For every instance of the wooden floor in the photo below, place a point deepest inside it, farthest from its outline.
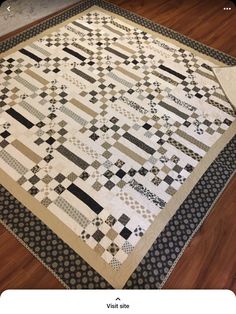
(210, 259)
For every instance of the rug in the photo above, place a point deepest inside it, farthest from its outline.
(116, 140)
(15, 14)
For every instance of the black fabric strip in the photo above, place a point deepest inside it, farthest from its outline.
(164, 68)
(16, 115)
(83, 75)
(139, 143)
(84, 197)
(74, 53)
(30, 55)
(72, 157)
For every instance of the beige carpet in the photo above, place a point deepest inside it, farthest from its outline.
(16, 13)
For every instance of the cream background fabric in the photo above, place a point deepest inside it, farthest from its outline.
(227, 78)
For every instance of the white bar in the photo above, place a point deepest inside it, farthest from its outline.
(105, 301)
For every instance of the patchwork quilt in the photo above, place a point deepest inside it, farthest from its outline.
(104, 129)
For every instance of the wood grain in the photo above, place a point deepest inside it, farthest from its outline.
(205, 21)
(210, 259)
